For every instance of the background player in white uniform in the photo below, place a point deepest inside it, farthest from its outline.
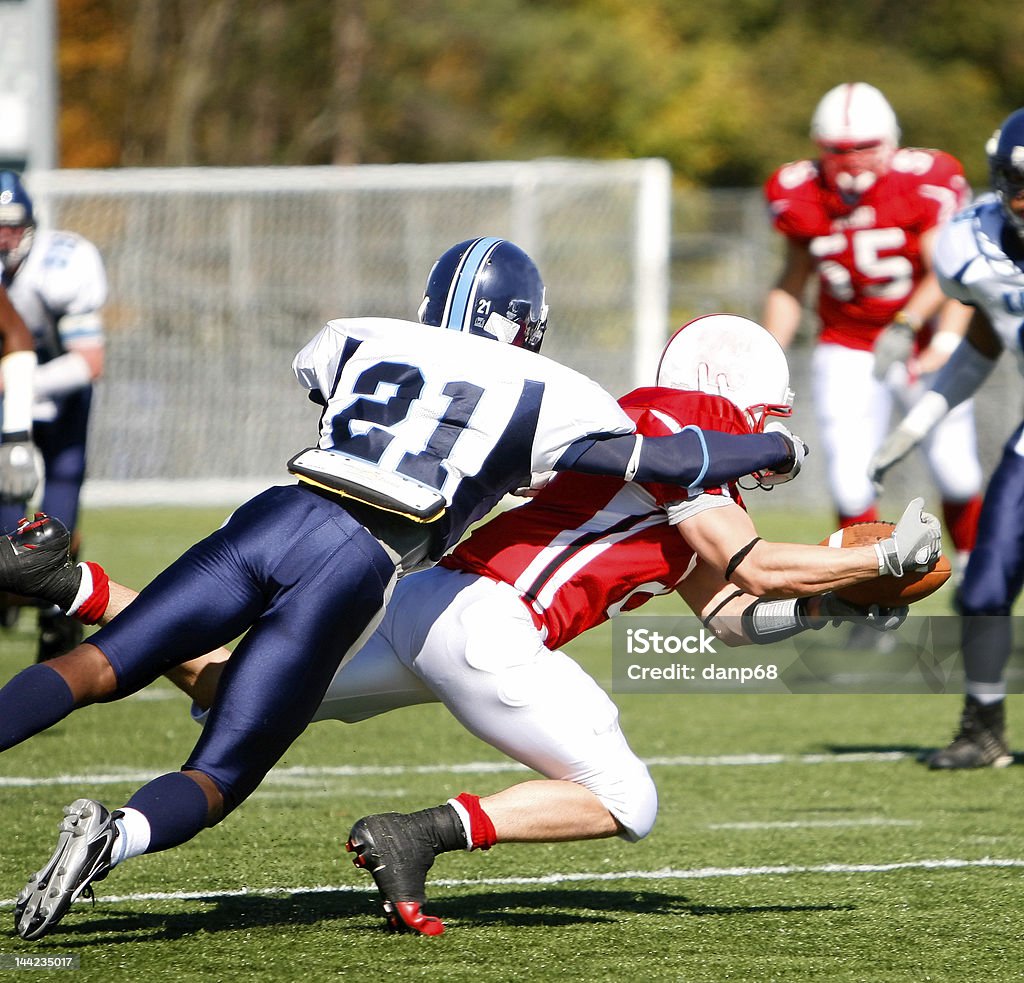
(57, 283)
(861, 219)
(480, 632)
(980, 261)
(422, 430)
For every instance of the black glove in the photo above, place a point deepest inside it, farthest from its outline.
(837, 611)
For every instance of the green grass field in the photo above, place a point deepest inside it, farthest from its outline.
(799, 839)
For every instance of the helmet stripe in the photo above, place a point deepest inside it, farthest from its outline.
(459, 313)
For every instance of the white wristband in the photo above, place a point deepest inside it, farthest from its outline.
(65, 374)
(945, 342)
(17, 370)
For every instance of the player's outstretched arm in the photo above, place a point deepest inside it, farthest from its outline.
(692, 458)
(968, 367)
(740, 617)
(726, 540)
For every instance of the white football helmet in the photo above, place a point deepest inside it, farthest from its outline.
(731, 356)
(857, 133)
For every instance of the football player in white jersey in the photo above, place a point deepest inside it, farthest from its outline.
(980, 261)
(422, 430)
(481, 632)
(57, 284)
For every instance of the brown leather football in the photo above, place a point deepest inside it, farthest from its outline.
(887, 591)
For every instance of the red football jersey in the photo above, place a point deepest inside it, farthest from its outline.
(868, 252)
(588, 547)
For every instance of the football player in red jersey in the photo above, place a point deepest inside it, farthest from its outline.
(481, 633)
(861, 219)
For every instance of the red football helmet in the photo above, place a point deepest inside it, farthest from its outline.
(857, 134)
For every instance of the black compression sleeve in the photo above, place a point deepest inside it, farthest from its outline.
(691, 458)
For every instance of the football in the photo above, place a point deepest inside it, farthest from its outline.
(887, 591)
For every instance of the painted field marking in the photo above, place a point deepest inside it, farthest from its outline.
(300, 774)
(816, 823)
(664, 874)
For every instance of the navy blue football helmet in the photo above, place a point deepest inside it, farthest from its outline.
(487, 287)
(15, 214)
(1005, 151)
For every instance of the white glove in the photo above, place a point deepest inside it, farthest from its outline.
(768, 478)
(894, 448)
(18, 474)
(880, 619)
(915, 543)
(894, 344)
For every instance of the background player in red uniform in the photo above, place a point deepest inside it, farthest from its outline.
(862, 219)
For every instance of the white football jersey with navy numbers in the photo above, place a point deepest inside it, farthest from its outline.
(467, 416)
(974, 266)
(59, 291)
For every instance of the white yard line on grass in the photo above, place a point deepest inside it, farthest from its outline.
(664, 874)
(300, 775)
(816, 823)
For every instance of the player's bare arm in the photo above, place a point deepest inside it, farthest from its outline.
(783, 307)
(770, 569)
(14, 333)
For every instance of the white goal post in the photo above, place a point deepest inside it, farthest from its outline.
(219, 275)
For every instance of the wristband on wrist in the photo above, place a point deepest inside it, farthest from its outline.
(945, 342)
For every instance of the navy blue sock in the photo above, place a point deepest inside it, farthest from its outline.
(33, 700)
(175, 807)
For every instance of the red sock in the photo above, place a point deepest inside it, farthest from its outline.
(870, 514)
(962, 522)
(481, 829)
(91, 609)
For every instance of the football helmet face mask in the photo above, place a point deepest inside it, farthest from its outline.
(487, 287)
(857, 134)
(1005, 151)
(17, 221)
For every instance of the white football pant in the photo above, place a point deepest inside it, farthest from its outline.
(470, 643)
(853, 411)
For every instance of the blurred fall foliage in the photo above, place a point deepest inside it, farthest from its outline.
(722, 88)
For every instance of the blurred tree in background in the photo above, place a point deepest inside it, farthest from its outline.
(722, 88)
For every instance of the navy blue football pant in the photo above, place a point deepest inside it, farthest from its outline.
(61, 442)
(995, 572)
(303, 580)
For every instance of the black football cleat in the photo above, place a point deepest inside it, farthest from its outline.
(35, 561)
(979, 743)
(398, 850)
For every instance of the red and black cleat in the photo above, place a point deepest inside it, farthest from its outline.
(398, 850)
(35, 561)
